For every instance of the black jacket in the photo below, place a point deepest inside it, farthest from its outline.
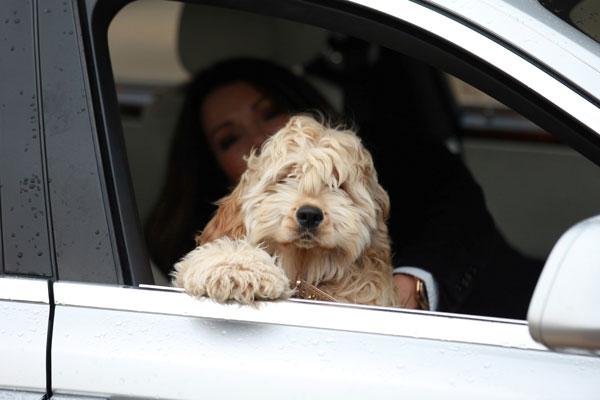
(439, 220)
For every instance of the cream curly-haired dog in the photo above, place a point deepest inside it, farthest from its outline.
(308, 209)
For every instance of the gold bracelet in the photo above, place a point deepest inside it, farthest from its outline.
(422, 299)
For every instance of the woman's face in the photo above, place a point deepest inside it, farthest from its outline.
(236, 118)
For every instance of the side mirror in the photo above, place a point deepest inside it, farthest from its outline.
(565, 309)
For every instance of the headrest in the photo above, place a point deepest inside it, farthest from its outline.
(210, 34)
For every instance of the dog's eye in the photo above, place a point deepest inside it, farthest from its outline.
(285, 180)
(285, 176)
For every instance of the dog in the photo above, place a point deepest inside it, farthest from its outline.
(307, 216)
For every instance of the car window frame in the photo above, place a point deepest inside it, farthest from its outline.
(352, 18)
(368, 319)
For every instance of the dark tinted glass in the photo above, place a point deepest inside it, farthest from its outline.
(582, 14)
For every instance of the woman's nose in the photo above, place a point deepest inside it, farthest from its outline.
(258, 139)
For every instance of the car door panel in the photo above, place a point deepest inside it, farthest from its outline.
(24, 313)
(127, 342)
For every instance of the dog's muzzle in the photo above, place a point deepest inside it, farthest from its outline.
(309, 217)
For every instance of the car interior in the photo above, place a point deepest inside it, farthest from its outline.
(535, 187)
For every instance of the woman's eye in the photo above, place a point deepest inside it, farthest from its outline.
(270, 111)
(226, 142)
(274, 113)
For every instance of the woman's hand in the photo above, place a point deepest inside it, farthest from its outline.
(407, 286)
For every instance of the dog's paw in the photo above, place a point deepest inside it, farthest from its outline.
(231, 270)
(245, 283)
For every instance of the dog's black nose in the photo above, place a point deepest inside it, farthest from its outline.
(309, 217)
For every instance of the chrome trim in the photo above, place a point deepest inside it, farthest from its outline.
(487, 49)
(23, 289)
(161, 288)
(302, 313)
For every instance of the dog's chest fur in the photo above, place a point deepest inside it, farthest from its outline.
(314, 265)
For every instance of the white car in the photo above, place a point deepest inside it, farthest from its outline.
(82, 318)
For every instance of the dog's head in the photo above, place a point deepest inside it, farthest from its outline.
(311, 189)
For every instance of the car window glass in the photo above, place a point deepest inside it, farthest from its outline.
(521, 183)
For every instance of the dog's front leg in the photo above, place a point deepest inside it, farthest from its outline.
(231, 270)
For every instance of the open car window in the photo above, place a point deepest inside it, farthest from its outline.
(412, 116)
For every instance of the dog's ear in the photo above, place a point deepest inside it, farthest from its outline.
(380, 196)
(382, 199)
(227, 221)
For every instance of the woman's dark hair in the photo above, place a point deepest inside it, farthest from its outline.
(194, 180)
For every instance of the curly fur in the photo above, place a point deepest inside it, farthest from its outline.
(253, 247)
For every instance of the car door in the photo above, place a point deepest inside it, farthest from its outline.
(159, 343)
(146, 341)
